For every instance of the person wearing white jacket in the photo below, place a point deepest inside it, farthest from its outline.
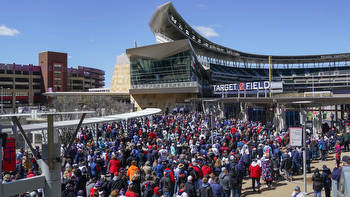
(298, 193)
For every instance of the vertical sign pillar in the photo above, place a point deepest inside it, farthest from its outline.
(50, 163)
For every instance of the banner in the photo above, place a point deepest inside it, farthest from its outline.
(295, 136)
(248, 87)
(9, 157)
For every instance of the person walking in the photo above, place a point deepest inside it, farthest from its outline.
(217, 189)
(190, 188)
(255, 173)
(346, 141)
(225, 182)
(317, 183)
(327, 181)
(236, 179)
(205, 189)
(166, 185)
(286, 167)
(267, 171)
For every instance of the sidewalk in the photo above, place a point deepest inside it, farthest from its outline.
(285, 188)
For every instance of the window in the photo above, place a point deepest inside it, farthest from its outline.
(9, 72)
(57, 66)
(21, 87)
(17, 72)
(21, 80)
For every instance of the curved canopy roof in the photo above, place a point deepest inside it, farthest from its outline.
(167, 21)
(93, 120)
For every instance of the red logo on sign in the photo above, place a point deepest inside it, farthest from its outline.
(241, 86)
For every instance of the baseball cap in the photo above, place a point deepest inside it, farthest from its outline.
(297, 188)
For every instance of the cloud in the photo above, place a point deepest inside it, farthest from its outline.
(206, 31)
(5, 31)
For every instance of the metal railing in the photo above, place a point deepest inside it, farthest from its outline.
(167, 85)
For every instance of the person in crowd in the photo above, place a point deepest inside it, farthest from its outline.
(255, 173)
(190, 187)
(205, 189)
(114, 166)
(338, 152)
(225, 182)
(267, 171)
(327, 181)
(317, 184)
(166, 185)
(132, 169)
(217, 189)
(182, 191)
(346, 138)
(298, 193)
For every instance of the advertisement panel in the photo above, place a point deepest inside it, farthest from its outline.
(9, 157)
(295, 136)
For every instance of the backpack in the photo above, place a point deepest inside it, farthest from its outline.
(288, 163)
(148, 190)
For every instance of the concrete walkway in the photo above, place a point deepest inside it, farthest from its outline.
(284, 188)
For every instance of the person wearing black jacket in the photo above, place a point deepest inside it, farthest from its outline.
(286, 167)
(317, 183)
(308, 159)
(236, 179)
(69, 191)
(190, 188)
(327, 181)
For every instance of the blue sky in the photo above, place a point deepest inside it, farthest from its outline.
(93, 33)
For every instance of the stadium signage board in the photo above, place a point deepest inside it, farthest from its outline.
(247, 86)
(295, 136)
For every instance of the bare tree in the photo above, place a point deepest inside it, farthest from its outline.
(103, 105)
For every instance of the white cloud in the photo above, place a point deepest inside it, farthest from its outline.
(206, 31)
(5, 31)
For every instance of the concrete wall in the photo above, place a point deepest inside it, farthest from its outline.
(121, 75)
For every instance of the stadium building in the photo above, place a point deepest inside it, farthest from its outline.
(184, 67)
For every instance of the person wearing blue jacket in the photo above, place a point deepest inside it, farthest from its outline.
(217, 188)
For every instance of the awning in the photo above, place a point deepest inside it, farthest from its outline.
(94, 120)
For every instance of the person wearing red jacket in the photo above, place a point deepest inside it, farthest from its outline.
(114, 166)
(197, 169)
(255, 173)
(206, 170)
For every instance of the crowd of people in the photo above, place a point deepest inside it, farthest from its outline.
(186, 155)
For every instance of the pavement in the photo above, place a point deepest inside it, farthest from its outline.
(285, 188)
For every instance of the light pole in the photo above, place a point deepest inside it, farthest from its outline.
(2, 100)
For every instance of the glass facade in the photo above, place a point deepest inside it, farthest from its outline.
(172, 69)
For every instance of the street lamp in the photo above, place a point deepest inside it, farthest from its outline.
(2, 100)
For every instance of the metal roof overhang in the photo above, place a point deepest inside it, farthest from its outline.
(54, 94)
(165, 90)
(160, 23)
(160, 51)
(94, 120)
(292, 101)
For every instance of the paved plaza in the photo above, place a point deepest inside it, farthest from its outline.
(284, 188)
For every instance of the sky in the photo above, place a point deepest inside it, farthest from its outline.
(94, 32)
